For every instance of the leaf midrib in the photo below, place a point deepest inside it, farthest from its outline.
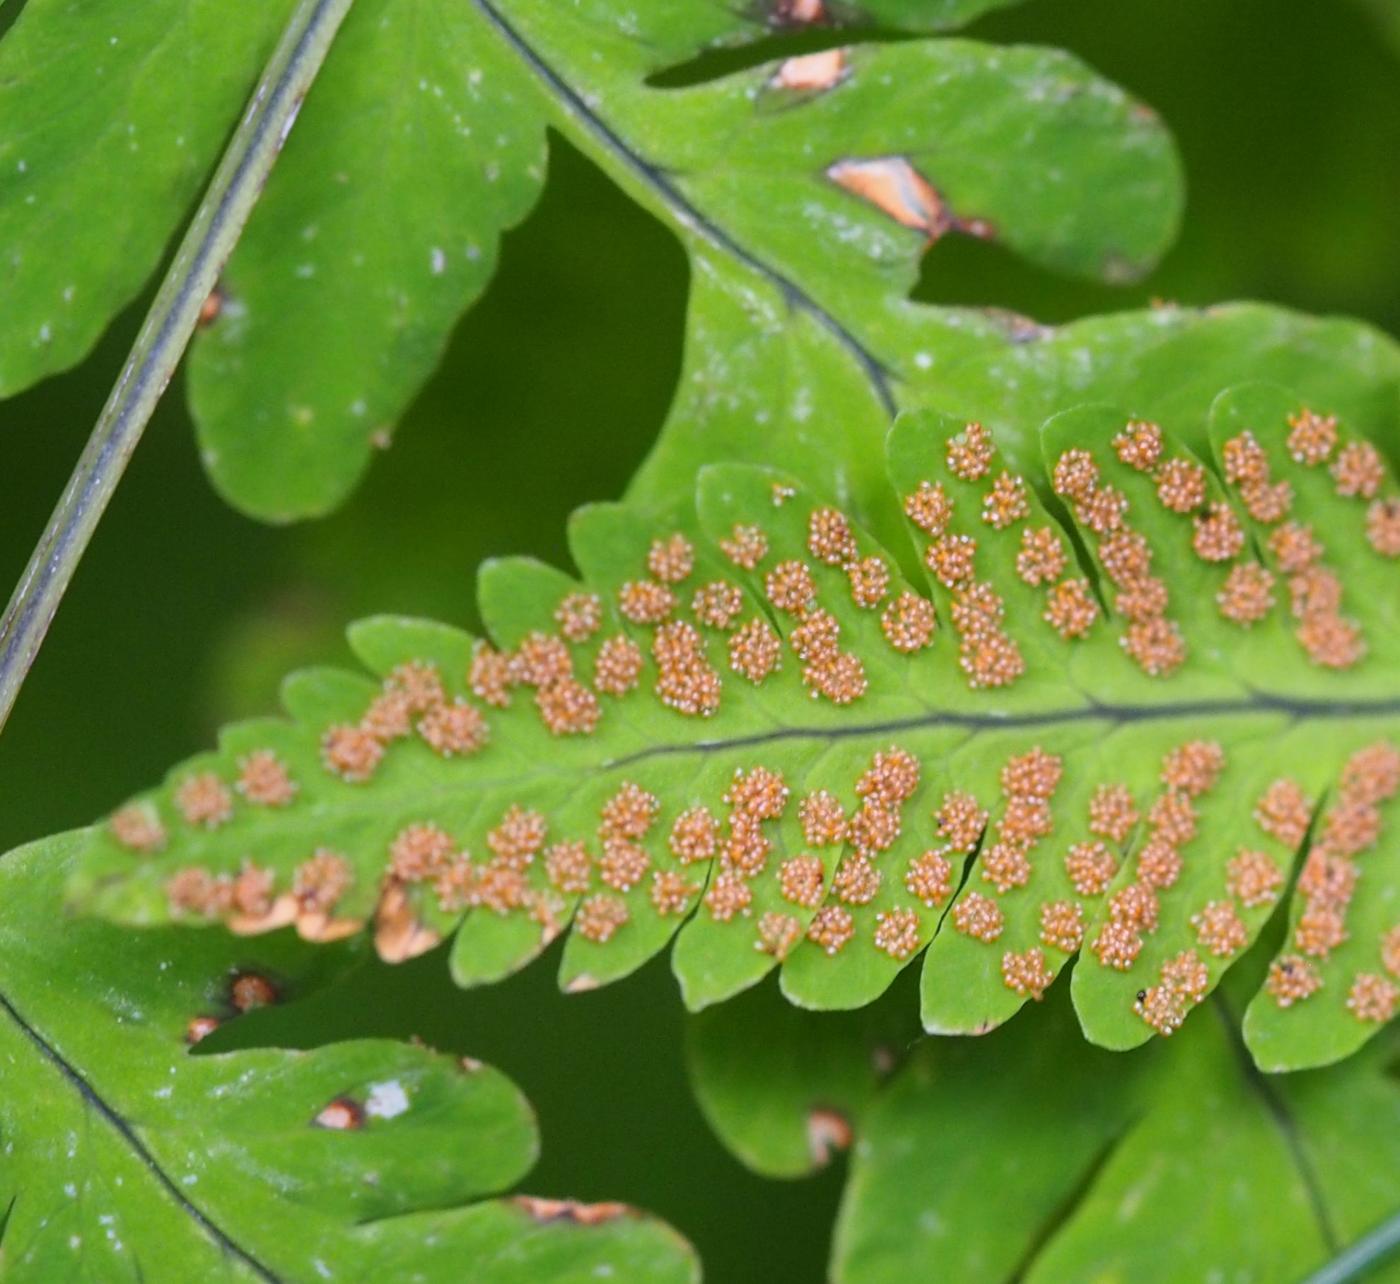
(124, 1129)
(1276, 1107)
(1258, 704)
(1115, 715)
(682, 209)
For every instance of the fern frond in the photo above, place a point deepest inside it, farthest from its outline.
(803, 192)
(1031, 1155)
(1098, 707)
(1111, 1163)
(129, 1155)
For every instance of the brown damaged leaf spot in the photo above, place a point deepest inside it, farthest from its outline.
(581, 984)
(200, 1027)
(894, 186)
(398, 934)
(211, 307)
(799, 13)
(828, 1131)
(812, 73)
(569, 1210)
(248, 990)
(341, 1115)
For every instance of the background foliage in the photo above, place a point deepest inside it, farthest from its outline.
(185, 614)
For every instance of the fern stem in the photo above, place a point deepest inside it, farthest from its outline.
(191, 278)
(1368, 1252)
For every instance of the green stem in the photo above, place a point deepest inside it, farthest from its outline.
(191, 279)
(1369, 1251)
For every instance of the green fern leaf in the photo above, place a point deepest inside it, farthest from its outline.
(1028, 1155)
(1108, 1163)
(126, 1157)
(787, 1091)
(790, 747)
(165, 82)
(804, 190)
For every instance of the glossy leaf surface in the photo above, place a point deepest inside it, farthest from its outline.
(129, 1156)
(1099, 707)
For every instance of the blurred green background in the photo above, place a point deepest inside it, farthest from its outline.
(185, 614)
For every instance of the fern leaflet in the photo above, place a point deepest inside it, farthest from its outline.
(789, 746)
(130, 1155)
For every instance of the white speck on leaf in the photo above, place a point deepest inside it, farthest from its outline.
(386, 1100)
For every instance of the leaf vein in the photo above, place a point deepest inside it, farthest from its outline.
(1118, 714)
(123, 1128)
(686, 212)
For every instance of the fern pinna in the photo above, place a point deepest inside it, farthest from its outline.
(126, 1158)
(1095, 709)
